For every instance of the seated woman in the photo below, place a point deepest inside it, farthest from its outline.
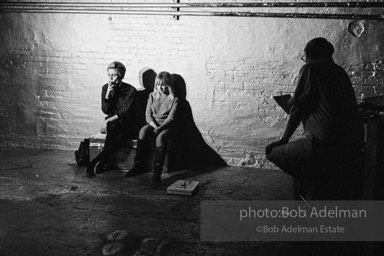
(117, 100)
(162, 126)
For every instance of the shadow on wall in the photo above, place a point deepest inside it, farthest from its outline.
(195, 152)
(147, 78)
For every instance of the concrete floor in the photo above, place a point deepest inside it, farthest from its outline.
(49, 207)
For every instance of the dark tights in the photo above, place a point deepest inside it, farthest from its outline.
(162, 139)
(117, 134)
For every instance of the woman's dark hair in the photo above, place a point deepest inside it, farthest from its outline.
(179, 85)
(119, 67)
(319, 48)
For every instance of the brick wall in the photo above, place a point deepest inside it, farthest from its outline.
(53, 66)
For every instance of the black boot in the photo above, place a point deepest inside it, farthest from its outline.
(173, 157)
(90, 170)
(94, 164)
(100, 167)
(158, 166)
(94, 169)
(138, 162)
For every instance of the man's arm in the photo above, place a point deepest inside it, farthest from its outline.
(108, 104)
(106, 121)
(302, 102)
(295, 117)
(126, 110)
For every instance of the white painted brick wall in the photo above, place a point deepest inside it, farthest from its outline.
(53, 66)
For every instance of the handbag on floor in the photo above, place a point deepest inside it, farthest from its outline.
(82, 154)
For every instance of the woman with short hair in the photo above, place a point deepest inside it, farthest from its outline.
(117, 100)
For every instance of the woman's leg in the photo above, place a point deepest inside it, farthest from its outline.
(161, 146)
(145, 135)
(115, 137)
(165, 136)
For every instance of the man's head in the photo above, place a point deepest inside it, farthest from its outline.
(318, 48)
(116, 71)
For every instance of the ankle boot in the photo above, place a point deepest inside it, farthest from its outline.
(90, 170)
(173, 157)
(100, 167)
(158, 166)
(138, 162)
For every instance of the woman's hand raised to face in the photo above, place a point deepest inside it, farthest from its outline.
(109, 89)
(113, 81)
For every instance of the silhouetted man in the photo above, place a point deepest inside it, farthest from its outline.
(329, 153)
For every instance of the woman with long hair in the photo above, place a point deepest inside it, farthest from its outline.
(162, 126)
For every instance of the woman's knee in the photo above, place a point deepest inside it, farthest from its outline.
(161, 141)
(164, 137)
(146, 132)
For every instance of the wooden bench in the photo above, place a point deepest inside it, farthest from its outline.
(123, 158)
